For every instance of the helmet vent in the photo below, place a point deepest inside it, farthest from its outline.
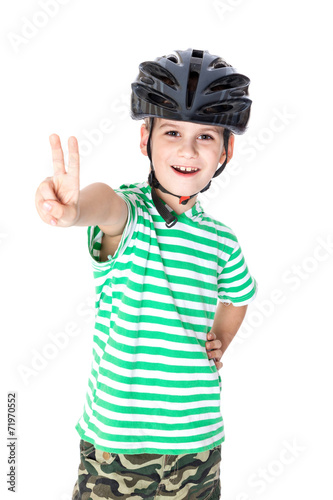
(237, 93)
(235, 82)
(219, 63)
(173, 59)
(193, 77)
(235, 106)
(161, 101)
(219, 108)
(147, 80)
(197, 53)
(191, 87)
(153, 70)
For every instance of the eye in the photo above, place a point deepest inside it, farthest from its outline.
(172, 133)
(205, 137)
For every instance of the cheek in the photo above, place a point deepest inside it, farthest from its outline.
(157, 162)
(160, 155)
(215, 157)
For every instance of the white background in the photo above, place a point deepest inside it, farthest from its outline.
(65, 72)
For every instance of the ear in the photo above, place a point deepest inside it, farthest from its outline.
(230, 149)
(144, 139)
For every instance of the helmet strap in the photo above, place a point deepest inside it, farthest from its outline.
(226, 136)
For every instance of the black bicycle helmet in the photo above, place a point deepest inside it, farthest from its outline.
(194, 86)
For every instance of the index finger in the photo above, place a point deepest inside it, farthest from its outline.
(57, 154)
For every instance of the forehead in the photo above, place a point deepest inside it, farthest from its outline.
(187, 126)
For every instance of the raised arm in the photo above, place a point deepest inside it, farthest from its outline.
(60, 202)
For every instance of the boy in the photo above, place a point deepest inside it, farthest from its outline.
(172, 287)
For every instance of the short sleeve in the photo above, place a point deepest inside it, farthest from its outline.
(95, 235)
(235, 284)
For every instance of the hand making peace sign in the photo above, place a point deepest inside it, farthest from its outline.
(57, 197)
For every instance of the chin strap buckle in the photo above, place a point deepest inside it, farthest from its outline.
(172, 223)
(184, 199)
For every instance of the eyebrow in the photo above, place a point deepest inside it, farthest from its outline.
(207, 127)
(168, 125)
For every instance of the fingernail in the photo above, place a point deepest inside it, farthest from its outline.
(208, 345)
(47, 206)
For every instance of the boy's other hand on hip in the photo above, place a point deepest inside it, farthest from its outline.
(213, 347)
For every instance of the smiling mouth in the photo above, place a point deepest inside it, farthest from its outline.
(185, 170)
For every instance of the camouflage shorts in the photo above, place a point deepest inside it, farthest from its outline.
(109, 476)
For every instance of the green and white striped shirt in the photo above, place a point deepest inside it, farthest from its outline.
(152, 387)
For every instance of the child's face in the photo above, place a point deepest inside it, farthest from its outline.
(185, 144)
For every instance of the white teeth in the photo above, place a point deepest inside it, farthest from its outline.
(185, 169)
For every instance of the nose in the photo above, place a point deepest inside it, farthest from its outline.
(187, 148)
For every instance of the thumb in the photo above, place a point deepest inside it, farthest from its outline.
(52, 207)
(62, 215)
(45, 192)
(46, 189)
